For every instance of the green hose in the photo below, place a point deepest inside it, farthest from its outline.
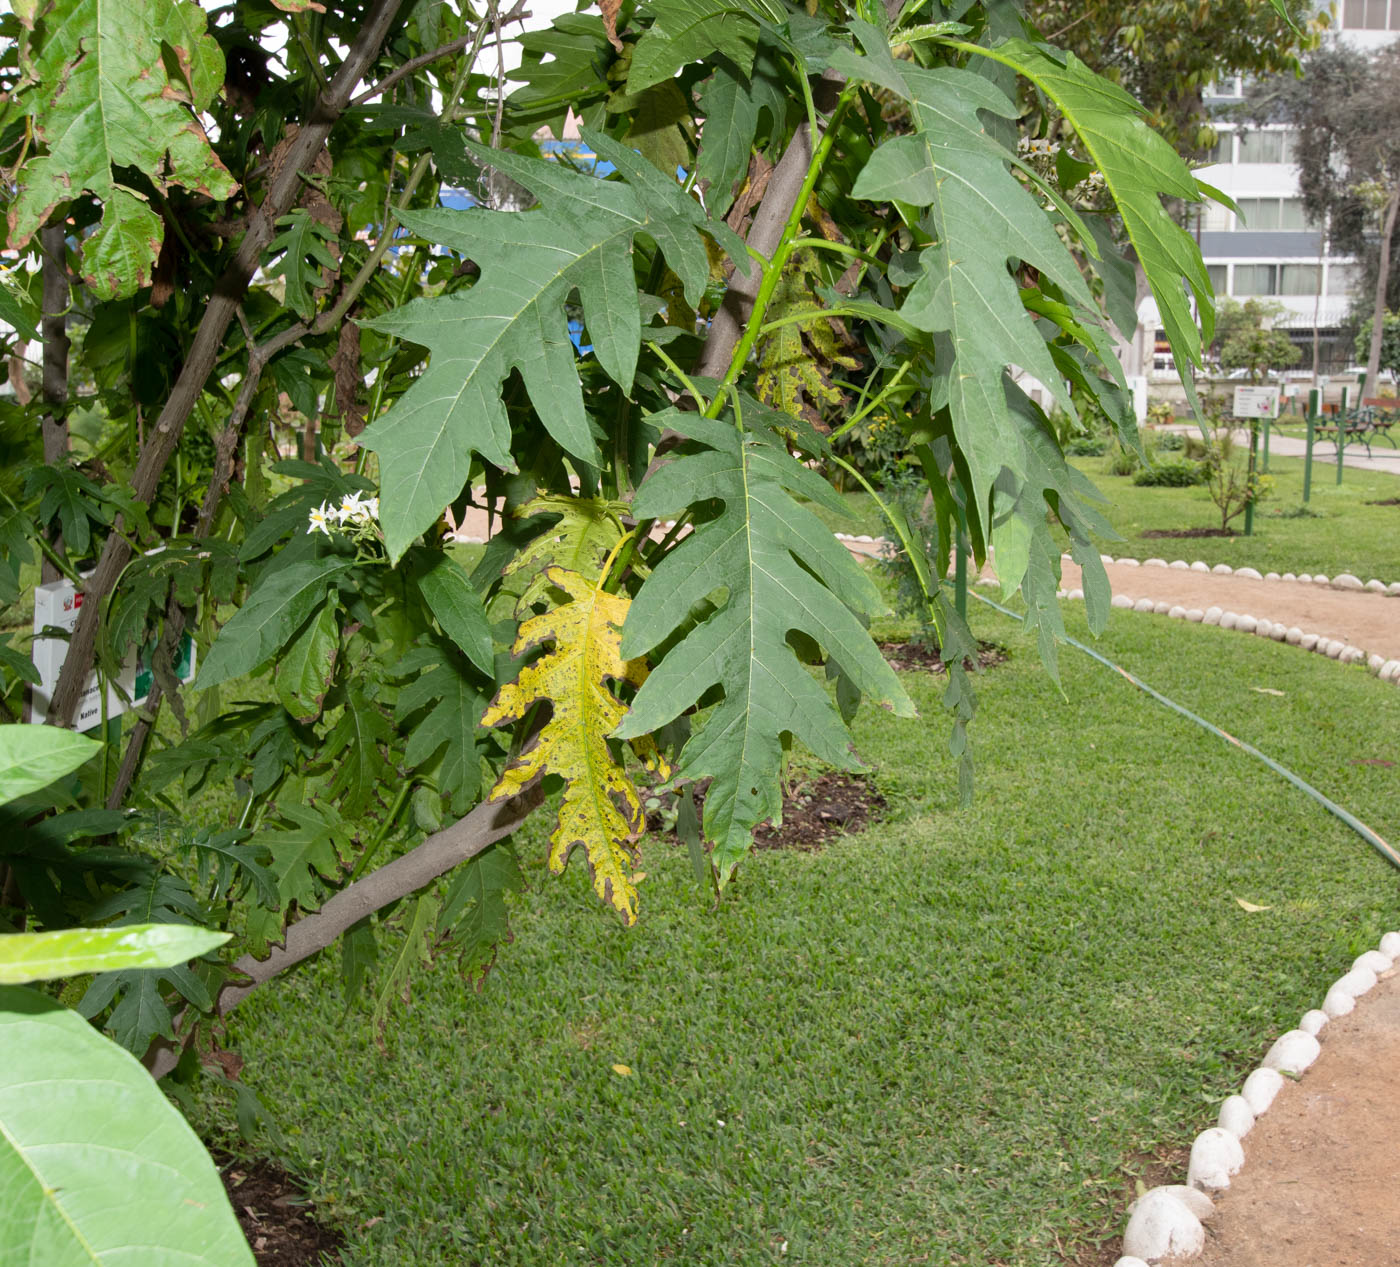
(1385, 850)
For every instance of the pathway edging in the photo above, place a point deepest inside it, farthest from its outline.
(1169, 1220)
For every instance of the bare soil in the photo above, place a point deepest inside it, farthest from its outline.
(1154, 533)
(1321, 1181)
(909, 657)
(275, 1215)
(1365, 620)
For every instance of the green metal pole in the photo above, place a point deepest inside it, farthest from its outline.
(1341, 434)
(1253, 462)
(1314, 407)
(1267, 424)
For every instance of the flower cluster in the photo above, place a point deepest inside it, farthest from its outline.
(354, 511)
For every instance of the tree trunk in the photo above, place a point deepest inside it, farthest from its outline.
(1373, 357)
(53, 243)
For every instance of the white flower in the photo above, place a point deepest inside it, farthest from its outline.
(372, 507)
(320, 520)
(352, 509)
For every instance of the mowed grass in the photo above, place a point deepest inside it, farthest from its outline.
(954, 1039)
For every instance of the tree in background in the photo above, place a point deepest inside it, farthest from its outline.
(1390, 342)
(1346, 109)
(1248, 340)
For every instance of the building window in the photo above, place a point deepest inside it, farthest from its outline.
(1219, 281)
(1371, 15)
(1223, 151)
(1210, 217)
(1256, 279)
(1272, 213)
(1291, 215)
(1268, 147)
(1298, 279)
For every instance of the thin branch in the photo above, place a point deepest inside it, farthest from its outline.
(54, 328)
(482, 827)
(164, 437)
(413, 63)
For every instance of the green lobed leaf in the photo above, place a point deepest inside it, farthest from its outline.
(781, 572)
(282, 599)
(96, 1165)
(457, 606)
(28, 957)
(32, 757)
(305, 260)
(307, 665)
(104, 98)
(17, 307)
(449, 729)
(685, 31)
(514, 318)
(474, 915)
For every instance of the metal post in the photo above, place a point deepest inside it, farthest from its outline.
(1253, 456)
(1268, 423)
(1341, 434)
(1314, 407)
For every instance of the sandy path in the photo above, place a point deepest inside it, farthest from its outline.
(1321, 1181)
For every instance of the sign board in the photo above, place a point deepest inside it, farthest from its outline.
(56, 605)
(1256, 402)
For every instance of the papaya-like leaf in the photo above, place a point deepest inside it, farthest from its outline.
(780, 572)
(96, 1165)
(304, 259)
(600, 809)
(104, 97)
(307, 665)
(685, 31)
(514, 318)
(579, 541)
(454, 601)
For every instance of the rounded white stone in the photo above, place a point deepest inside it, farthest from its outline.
(1308, 641)
(1144, 605)
(1215, 1156)
(1376, 961)
(1222, 569)
(1062, 593)
(1293, 1052)
(1333, 648)
(1305, 577)
(1108, 558)
(1321, 578)
(1179, 612)
(1131, 1260)
(1278, 633)
(1375, 586)
(1079, 593)
(867, 538)
(1195, 615)
(1260, 1088)
(1274, 576)
(1212, 616)
(1236, 1117)
(1293, 636)
(1264, 627)
(1314, 1021)
(1251, 574)
(1129, 563)
(1357, 982)
(1390, 945)
(1180, 564)
(1199, 565)
(1346, 581)
(1351, 655)
(1388, 670)
(1245, 624)
(1338, 1003)
(1288, 576)
(1161, 608)
(1375, 663)
(1198, 1202)
(1227, 620)
(1393, 588)
(1160, 563)
(1120, 600)
(1162, 1225)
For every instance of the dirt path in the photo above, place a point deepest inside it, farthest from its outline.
(1365, 620)
(1321, 1180)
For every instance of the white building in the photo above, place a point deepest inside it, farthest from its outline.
(1269, 251)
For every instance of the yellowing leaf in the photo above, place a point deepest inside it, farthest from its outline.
(600, 809)
(1250, 906)
(622, 1071)
(1266, 690)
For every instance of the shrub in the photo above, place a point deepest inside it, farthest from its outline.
(1171, 473)
(1171, 442)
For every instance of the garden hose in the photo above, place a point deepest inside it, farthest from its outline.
(1385, 850)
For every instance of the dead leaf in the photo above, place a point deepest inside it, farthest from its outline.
(622, 1071)
(1266, 690)
(609, 9)
(1250, 906)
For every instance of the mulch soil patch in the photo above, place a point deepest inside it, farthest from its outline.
(1154, 534)
(1386, 501)
(275, 1215)
(908, 657)
(815, 811)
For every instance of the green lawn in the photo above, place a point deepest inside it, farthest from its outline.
(951, 1040)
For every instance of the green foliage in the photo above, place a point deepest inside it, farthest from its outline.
(1390, 342)
(1171, 473)
(1248, 342)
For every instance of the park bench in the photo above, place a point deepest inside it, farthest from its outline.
(1372, 421)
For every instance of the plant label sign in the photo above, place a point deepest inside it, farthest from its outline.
(56, 606)
(1256, 402)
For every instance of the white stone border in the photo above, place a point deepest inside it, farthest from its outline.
(1342, 581)
(1168, 1220)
